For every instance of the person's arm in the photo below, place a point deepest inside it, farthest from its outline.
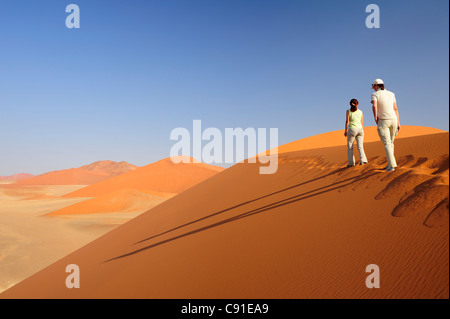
(362, 120)
(398, 116)
(346, 124)
(375, 110)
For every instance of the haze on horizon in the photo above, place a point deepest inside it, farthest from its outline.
(115, 88)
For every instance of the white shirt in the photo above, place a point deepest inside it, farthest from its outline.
(385, 103)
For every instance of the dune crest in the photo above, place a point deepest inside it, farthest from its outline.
(336, 138)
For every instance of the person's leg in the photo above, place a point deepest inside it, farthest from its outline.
(393, 130)
(350, 142)
(385, 137)
(360, 143)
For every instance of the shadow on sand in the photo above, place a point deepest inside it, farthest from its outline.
(280, 203)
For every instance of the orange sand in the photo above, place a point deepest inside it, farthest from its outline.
(308, 231)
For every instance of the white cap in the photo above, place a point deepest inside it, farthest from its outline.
(377, 81)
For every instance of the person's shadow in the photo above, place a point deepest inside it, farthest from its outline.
(264, 208)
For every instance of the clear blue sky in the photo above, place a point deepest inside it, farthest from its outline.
(115, 88)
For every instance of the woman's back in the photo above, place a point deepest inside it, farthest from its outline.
(355, 118)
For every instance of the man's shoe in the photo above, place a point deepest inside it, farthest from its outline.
(390, 169)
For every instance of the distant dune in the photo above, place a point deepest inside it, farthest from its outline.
(162, 176)
(15, 178)
(84, 175)
(123, 201)
(308, 231)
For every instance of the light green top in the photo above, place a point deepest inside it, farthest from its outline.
(354, 118)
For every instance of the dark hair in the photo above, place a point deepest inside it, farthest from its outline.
(354, 105)
(381, 86)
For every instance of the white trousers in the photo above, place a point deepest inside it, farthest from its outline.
(358, 134)
(388, 130)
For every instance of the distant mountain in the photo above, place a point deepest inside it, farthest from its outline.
(85, 175)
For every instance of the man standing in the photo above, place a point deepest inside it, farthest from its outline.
(387, 118)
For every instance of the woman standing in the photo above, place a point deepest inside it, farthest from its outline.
(354, 130)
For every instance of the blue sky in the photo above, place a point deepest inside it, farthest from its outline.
(115, 88)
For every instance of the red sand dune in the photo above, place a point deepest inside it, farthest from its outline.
(308, 231)
(123, 201)
(162, 176)
(84, 175)
(15, 178)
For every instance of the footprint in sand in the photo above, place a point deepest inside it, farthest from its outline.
(440, 164)
(423, 188)
(401, 185)
(439, 216)
(427, 197)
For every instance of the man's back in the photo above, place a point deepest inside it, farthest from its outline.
(385, 104)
